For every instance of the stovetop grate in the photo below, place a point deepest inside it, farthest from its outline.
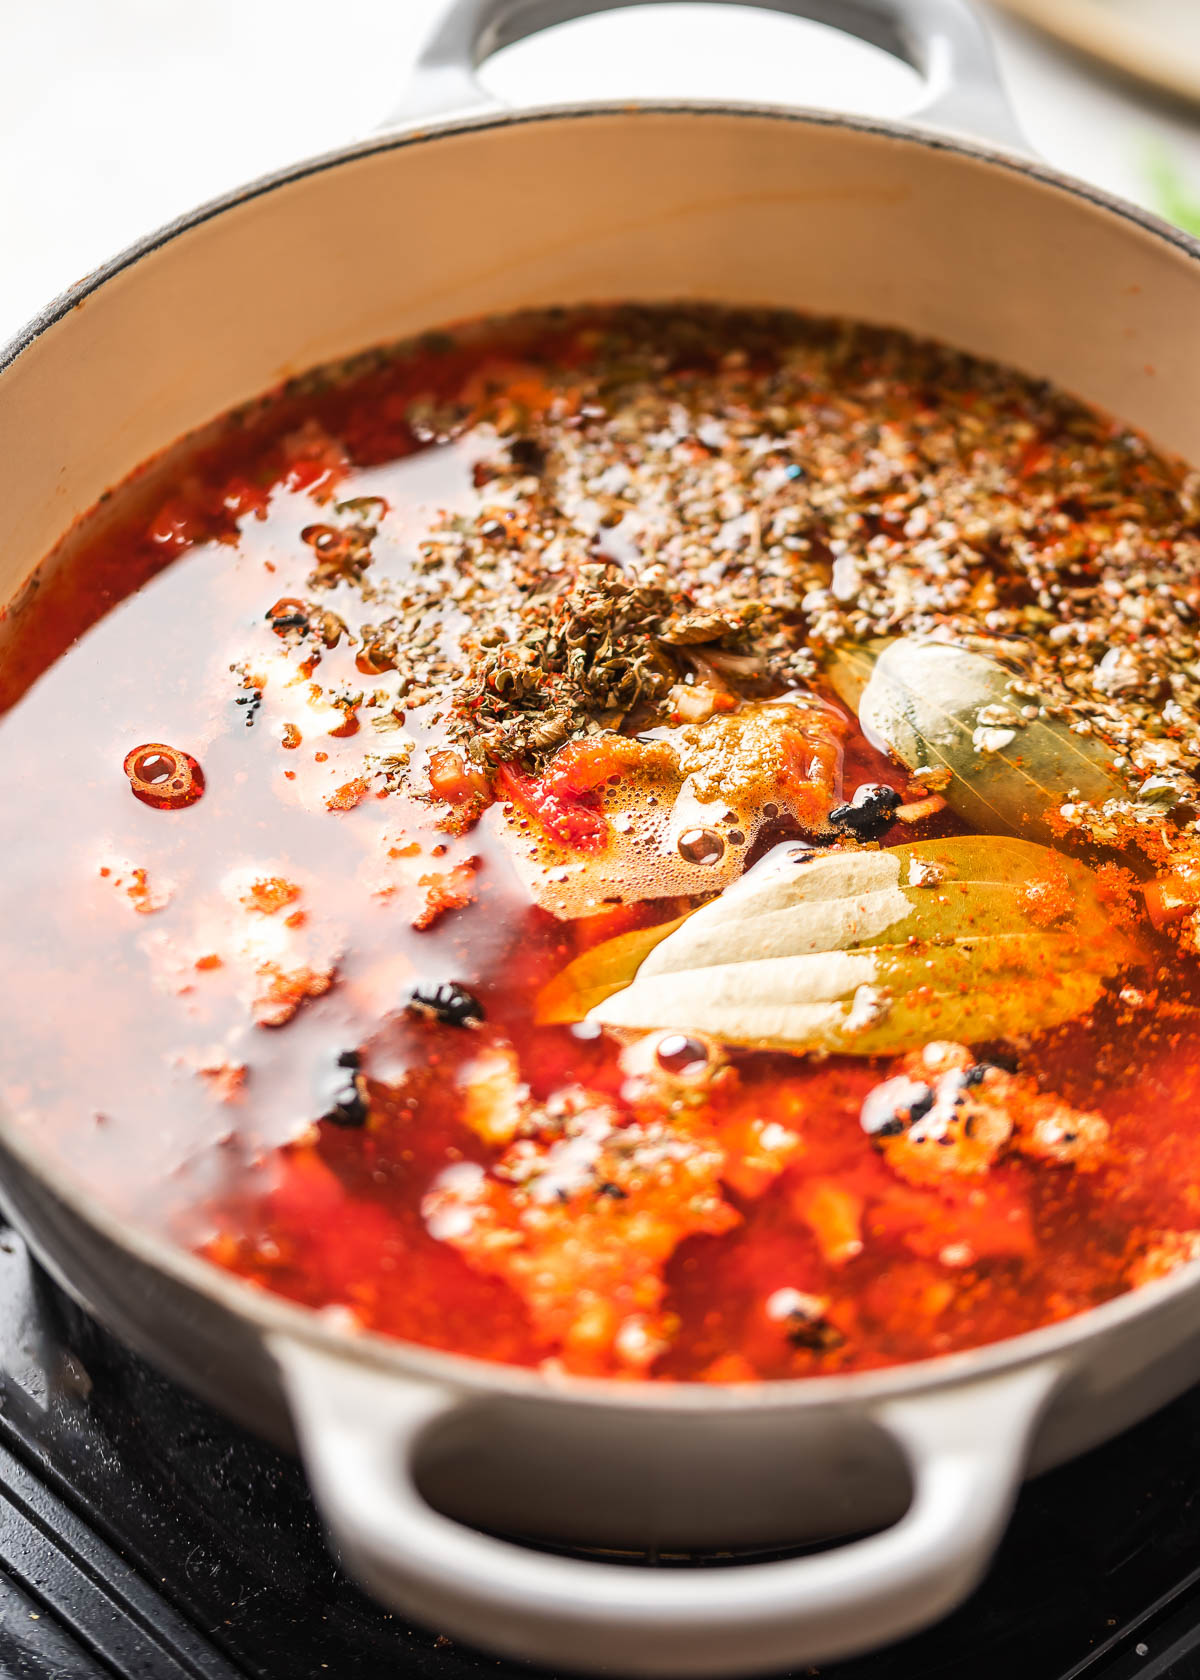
(142, 1537)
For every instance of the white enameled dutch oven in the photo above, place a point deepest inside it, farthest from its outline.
(942, 225)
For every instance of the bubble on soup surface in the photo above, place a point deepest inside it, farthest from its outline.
(163, 777)
(701, 845)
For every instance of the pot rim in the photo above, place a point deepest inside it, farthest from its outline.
(275, 1316)
(425, 132)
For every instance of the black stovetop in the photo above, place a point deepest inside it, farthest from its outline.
(142, 1537)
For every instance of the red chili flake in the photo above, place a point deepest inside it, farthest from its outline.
(270, 894)
(225, 1080)
(347, 796)
(1034, 457)
(348, 726)
(280, 991)
(140, 895)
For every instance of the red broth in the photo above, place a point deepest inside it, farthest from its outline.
(243, 825)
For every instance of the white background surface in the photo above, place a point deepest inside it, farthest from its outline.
(116, 115)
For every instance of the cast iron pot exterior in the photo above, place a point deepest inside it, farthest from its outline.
(406, 1447)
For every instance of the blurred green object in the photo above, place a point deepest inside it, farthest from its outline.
(1173, 195)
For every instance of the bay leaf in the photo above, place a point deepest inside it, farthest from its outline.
(596, 973)
(839, 951)
(920, 700)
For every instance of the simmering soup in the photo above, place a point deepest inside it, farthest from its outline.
(660, 843)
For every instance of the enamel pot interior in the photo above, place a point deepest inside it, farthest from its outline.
(419, 230)
(743, 207)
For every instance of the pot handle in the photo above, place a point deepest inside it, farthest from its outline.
(942, 39)
(360, 1431)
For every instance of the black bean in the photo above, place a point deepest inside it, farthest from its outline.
(527, 453)
(346, 1095)
(891, 1124)
(816, 1334)
(288, 613)
(448, 1002)
(868, 815)
(920, 1108)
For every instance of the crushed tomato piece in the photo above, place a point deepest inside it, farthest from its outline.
(580, 1216)
(446, 890)
(567, 813)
